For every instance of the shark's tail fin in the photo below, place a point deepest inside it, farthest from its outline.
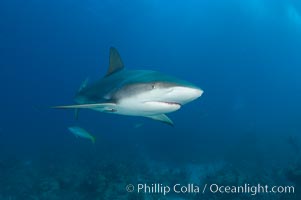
(83, 85)
(93, 139)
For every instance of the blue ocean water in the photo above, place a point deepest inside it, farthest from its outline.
(245, 128)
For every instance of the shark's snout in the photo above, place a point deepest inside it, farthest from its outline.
(197, 92)
(183, 95)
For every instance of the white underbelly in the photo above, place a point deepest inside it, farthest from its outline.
(146, 108)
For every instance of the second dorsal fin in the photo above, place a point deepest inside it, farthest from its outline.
(116, 63)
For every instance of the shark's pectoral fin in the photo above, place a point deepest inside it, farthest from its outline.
(96, 106)
(162, 118)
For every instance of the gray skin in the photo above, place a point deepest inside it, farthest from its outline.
(135, 92)
(126, 84)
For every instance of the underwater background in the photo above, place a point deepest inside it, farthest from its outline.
(245, 55)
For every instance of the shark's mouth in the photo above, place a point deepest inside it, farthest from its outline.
(172, 103)
(168, 103)
(163, 106)
(165, 103)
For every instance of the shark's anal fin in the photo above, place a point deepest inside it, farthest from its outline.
(162, 118)
(116, 63)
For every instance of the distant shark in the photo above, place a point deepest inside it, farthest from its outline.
(135, 92)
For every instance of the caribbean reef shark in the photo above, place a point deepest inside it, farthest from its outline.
(135, 92)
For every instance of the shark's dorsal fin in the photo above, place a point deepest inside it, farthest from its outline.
(116, 63)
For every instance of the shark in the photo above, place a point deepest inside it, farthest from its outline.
(144, 93)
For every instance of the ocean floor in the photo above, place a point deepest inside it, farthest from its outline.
(69, 178)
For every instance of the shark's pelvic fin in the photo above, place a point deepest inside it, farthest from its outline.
(100, 106)
(116, 63)
(162, 118)
(76, 110)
